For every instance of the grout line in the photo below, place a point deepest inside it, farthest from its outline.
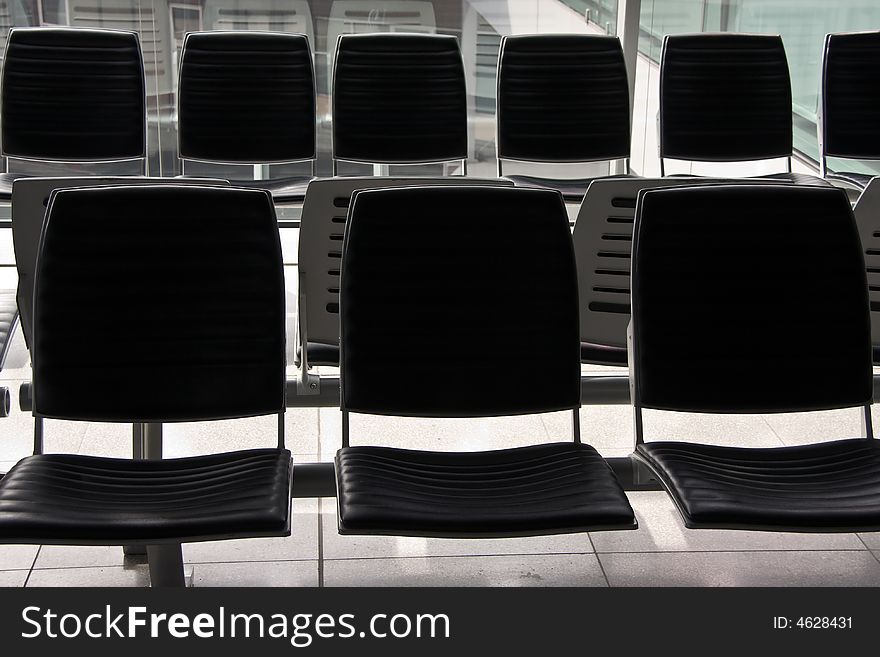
(876, 555)
(770, 426)
(320, 543)
(31, 570)
(599, 561)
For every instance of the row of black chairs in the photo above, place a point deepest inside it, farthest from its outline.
(745, 298)
(249, 98)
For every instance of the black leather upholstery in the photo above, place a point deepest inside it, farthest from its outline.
(851, 95)
(246, 97)
(832, 486)
(163, 298)
(399, 98)
(73, 94)
(749, 299)
(603, 354)
(70, 499)
(562, 98)
(540, 489)
(858, 180)
(447, 296)
(724, 97)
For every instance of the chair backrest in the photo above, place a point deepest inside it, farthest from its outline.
(30, 198)
(748, 300)
(849, 114)
(322, 227)
(724, 98)
(167, 299)
(867, 214)
(73, 95)
(399, 98)
(246, 98)
(369, 16)
(603, 246)
(152, 22)
(562, 98)
(471, 299)
(293, 16)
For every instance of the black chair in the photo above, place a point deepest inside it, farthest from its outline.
(849, 115)
(561, 98)
(754, 300)
(71, 95)
(463, 328)
(166, 300)
(726, 98)
(248, 98)
(399, 99)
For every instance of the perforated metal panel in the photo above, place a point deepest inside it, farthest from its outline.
(603, 248)
(322, 227)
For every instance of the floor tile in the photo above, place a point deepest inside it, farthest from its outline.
(661, 530)
(12, 578)
(17, 557)
(468, 434)
(742, 569)
(871, 539)
(549, 570)
(270, 573)
(133, 576)
(337, 546)
(822, 426)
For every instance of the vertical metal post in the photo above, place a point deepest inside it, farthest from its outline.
(637, 424)
(628, 12)
(867, 422)
(166, 560)
(281, 430)
(38, 434)
(576, 424)
(345, 429)
(137, 453)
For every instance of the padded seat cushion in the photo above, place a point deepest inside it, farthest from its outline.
(790, 177)
(540, 489)
(70, 499)
(859, 180)
(572, 189)
(284, 190)
(832, 486)
(601, 354)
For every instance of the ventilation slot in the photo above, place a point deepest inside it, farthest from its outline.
(612, 290)
(623, 202)
(336, 237)
(611, 272)
(612, 237)
(333, 290)
(613, 254)
(333, 308)
(334, 254)
(620, 220)
(333, 272)
(341, 201)
(875, 306)
(338, 220)
(604, 307)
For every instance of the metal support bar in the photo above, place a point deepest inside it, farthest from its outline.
(867, 422)
(166, 565)
(137, 453)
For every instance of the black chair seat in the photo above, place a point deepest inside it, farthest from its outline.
(70, 499)
(826, 487)
(540, 489)
(790, 177)
(572, 189)
(319, 354)
(601, 354)
(858, 180)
